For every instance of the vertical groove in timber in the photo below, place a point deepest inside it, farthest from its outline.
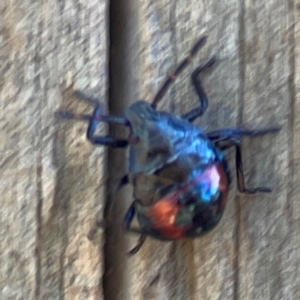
(122, 91)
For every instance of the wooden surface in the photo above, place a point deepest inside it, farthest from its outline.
(50, 175)
(52, 179)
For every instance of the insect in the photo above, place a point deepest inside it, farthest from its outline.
(179, 173)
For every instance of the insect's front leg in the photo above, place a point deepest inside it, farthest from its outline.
(199, 111)
(107, 140)
(94, 120)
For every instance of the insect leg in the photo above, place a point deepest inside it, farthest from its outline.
(129, 217)
(235, 142)
(102, 140)
(123, 181)
(66, 114)
(94, 120)
(126, 225)
(199, 111)
(238, 132)
(138, 246)
(162, 91)
(95, 102)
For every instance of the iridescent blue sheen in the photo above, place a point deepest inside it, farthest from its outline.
(178, 172)
(207, 184)
(163, 138)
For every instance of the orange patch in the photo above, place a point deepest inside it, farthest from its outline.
(164, 211)
(163, 215)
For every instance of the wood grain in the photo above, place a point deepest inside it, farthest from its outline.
(53, 180)
(50, 194)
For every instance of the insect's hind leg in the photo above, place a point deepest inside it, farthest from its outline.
(199, 111)
(126, 225)
(226, 133)
(138, 246)
(229, 142)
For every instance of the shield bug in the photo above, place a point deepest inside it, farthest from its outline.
(179, 173)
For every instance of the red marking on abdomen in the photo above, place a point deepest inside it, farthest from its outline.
(163, 215)
(164, 212)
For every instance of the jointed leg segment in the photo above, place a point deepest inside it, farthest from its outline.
(199, 111)
(94, 120)
(227, 138)
(126, 225)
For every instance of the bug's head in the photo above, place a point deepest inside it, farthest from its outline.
(149, 127)
(140, 113)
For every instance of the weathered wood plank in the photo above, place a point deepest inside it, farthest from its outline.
(268, 258)
(50, 176)
(247, 256)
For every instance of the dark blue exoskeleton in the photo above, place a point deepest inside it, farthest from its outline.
(179, 173)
